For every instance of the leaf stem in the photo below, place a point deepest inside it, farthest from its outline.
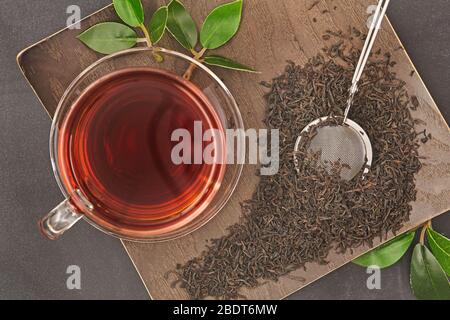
(148, 40)
(197, 56)
(422, 233)
(147, 35)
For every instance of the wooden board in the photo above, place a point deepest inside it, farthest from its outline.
(272, 32)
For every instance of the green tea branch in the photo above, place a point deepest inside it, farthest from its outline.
(429, 268)
(219, 27)
(147, 38)
(423, 232)
(190, 70)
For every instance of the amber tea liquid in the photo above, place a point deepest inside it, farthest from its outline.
(115, 147)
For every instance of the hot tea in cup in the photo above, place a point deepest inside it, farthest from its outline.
(115, 147)
(116, 150)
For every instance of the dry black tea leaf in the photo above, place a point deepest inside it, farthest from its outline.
(302, 213)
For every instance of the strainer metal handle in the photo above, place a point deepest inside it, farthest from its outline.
(365, 53)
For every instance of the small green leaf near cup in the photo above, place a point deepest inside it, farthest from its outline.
(219, 61)
(428, 280)
(181, 25)
(387, 254)
(130, 11)
(221, 25)
(158, 24)
(440, 246)
(109, 37)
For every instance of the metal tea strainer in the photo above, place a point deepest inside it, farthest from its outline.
(347, 143)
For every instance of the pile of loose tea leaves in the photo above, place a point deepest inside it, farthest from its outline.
(297, 216)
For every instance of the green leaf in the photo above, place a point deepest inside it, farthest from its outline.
(387, 254)
(181, 25)
(158, 24)
(440, 246)
(221, 25)
(428, 280)
(109, 37)
(130, 11)
(226, 63)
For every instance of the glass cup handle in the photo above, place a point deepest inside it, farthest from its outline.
(59, 220)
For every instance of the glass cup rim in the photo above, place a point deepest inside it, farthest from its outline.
(53, 143)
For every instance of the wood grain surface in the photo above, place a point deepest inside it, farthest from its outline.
(272, 32)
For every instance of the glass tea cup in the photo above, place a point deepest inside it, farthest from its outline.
(81, 203)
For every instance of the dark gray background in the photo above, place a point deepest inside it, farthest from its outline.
(34, 268)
